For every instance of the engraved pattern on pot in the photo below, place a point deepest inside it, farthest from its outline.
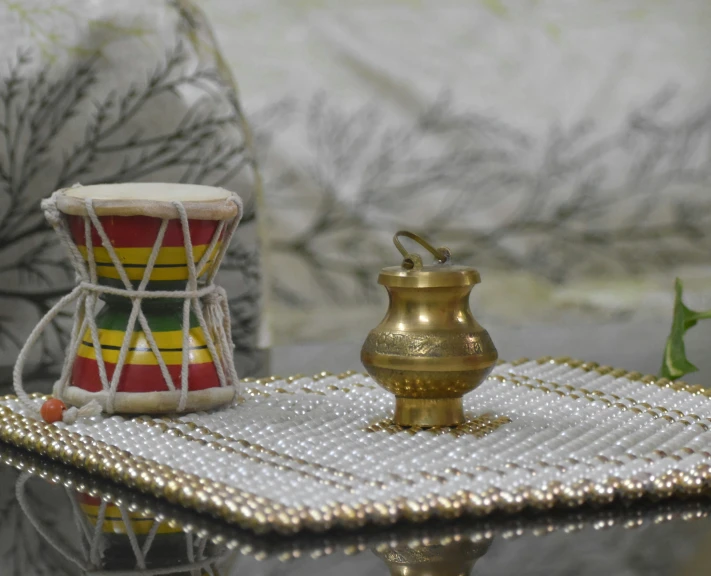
(432, 344)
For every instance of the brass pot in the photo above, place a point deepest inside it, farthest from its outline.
(428, 350)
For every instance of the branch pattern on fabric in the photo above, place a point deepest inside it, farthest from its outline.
(579, 201)
(63, 124)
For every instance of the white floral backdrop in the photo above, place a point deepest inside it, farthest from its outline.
(562, 148)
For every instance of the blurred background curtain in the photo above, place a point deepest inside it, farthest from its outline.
(561, 148)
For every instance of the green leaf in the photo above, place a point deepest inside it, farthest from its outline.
(675, 363)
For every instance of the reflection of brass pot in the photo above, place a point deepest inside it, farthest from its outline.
(456, 559)
(428, 350)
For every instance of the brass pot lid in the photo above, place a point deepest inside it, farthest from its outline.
(413, 274)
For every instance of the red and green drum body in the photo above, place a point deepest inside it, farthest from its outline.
(141, 371)
(142, 386)
(132, 238)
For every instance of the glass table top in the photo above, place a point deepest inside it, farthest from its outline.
(57, 521)
(54, 520)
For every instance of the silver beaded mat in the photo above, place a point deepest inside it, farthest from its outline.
(320, 452)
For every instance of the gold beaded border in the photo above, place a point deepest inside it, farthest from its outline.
(263, 515)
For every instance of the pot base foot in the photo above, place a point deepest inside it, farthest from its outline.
(428, 412)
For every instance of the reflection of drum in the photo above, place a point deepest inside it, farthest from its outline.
(116, 538)
(112, 519)
(150, 252)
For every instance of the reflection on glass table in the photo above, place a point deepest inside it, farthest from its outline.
(58, 521)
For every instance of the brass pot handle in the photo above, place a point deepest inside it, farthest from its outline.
(413, 260)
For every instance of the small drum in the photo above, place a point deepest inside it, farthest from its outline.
(161, 341)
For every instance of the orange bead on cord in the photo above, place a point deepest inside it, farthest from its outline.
(53, 410)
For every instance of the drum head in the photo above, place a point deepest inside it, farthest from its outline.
(150, 199)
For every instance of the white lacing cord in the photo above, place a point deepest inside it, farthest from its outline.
(213, 315)
(71, 414)
(137, 552)
(150, 537)
(192, 285)
(82, 526)
(94, 550)
(92, 298)
(136, 312)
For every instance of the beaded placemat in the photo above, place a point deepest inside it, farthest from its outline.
(319, 452)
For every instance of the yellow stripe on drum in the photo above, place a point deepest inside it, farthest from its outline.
(170, 344)
(171, 263)
(164, 339)
(146, 357)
